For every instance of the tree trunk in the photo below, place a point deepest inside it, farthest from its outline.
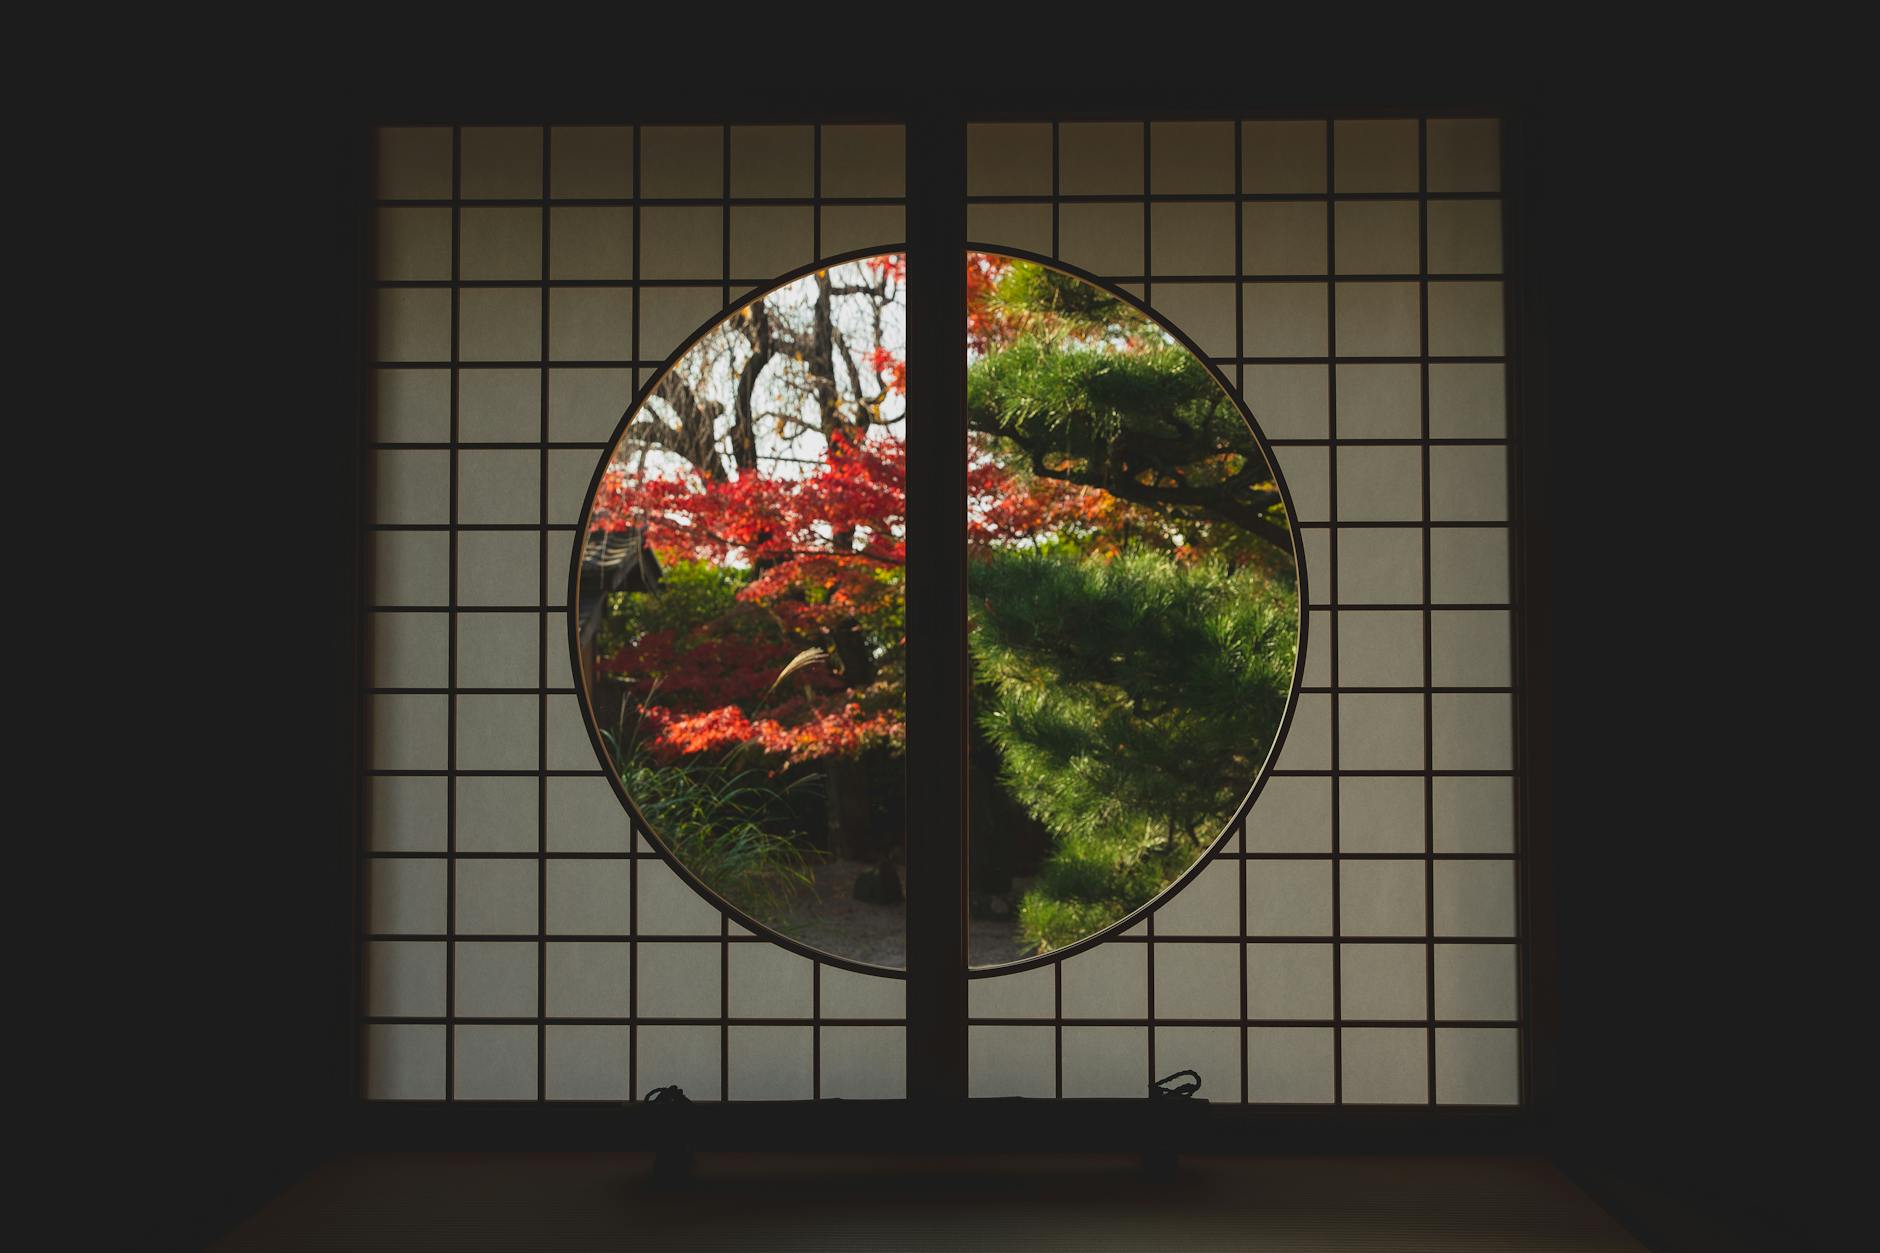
(850, 833)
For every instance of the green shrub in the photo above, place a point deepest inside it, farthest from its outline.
(730, 826)
(691, 593)
(1132, 700)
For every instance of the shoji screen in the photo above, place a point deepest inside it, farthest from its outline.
(521, 943)
(1356, 941)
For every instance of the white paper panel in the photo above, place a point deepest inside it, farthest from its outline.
(1290, 1065)
(496, 979)
(587, 1063)
(1312, 400)
(1386, 1065)
(495, 1063)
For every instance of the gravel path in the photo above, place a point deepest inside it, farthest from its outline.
(836, 922)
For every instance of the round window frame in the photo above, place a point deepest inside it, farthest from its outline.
(641, 830)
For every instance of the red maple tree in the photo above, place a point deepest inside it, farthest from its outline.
(826, 554)
(809, 662)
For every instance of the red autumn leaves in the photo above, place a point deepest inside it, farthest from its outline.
(828, 552)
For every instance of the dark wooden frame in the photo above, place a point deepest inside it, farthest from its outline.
(940, 1115)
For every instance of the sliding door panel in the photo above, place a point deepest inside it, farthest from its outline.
(1353, 938)
(537, 292)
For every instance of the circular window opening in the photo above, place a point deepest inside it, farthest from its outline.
(1133, 609)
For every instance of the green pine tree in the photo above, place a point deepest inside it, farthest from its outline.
(1132, 700)
(1087, 390)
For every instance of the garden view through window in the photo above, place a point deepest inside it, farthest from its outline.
(1132, 593)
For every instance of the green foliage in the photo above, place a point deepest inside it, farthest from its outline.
(1077, 400)
(690, 593)
(1132, 700)
(1032, 293)
(727, 825)
(1087, 391)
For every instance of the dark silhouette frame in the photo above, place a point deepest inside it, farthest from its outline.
(936, 213)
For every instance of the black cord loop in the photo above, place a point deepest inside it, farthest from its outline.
(1160, 1089)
